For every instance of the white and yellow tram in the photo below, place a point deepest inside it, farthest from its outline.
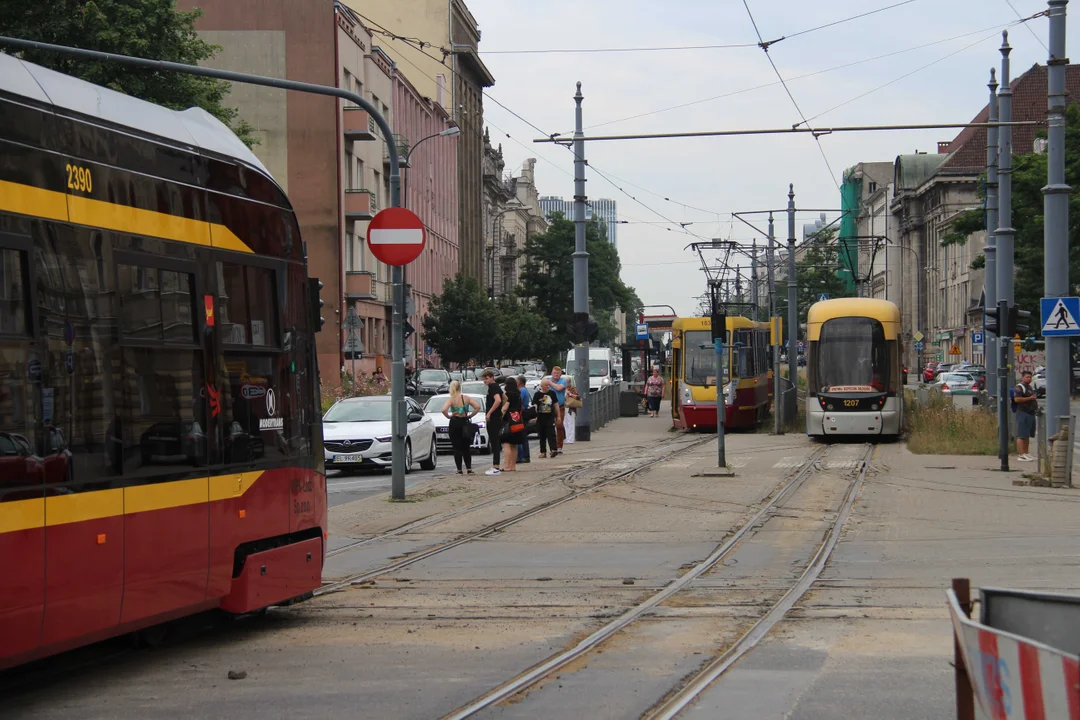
(854, 368)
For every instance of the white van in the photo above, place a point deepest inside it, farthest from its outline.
(602, 369)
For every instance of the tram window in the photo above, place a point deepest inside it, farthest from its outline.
(257, 409)
(851, 354)
(699, 358)
(248, 305)
(14, 298)
(155, 304)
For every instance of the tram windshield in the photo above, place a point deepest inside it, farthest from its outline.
(852, 355)
(700, 359)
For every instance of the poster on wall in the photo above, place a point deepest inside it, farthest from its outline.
(47, 405)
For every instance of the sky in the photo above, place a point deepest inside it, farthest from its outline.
(704, 180)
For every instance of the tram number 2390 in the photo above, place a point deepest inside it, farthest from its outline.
(851, 403)
(79, 178)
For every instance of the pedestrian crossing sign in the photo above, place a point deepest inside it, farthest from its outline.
(1059, 316)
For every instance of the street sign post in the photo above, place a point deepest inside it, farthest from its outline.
(919, 346)
(918, 336)
(396, 236)
(976, 338)
(1060, 316)
(822, 297)
(954, 350)
(642, 331)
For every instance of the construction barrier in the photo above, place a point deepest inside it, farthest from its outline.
(1021, 659)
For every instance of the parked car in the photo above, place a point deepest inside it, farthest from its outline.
(950, 383)
(929, 371)
(943, 368)
(356, 434)
(433, 409)
(432, 382)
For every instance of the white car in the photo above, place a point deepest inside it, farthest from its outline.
(951, 382)
(442, 424)
(1038, 381)
(356, 434)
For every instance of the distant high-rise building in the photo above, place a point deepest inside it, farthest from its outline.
(603, 208)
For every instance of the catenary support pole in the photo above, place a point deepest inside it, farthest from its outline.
(721, 403)
(1005, 237)
(754, 282)
(397, 368)
(989, 339)
(793, 311)
(770, 259)
(1056, 227)
(581, 276)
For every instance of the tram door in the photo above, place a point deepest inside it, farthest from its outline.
(676, 377)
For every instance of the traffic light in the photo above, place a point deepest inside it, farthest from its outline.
(315, 287)
(584, 329)
(1019, 321)
(719, 324)
(992, 321)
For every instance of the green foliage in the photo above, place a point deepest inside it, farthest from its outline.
(547, 281)
(1029, 178)
(144, 28)
(816, 272)
(463, 325)
(963, 226)
(460, 325)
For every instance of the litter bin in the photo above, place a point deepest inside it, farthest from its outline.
(629, 402)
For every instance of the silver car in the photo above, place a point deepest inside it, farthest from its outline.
(950, 382)
(433, 409)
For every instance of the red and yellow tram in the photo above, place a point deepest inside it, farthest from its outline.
(160, 446)
(746, 375)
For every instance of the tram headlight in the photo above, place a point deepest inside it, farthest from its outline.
(687, 396)
(729, 393)
(874, 406)
(829, 406)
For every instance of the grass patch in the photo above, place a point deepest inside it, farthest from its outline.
(941, 429)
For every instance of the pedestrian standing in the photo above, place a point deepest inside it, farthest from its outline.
(573, 402)
(1026, 404)
(526, 401)
(513, 430)
(547, 409)
(558, 384)
(654, 392)
(494, 418)
(460, 409)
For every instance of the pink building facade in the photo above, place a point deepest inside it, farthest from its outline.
(430, 185)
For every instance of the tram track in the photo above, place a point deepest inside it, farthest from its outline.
(358, 578)
(691, 687)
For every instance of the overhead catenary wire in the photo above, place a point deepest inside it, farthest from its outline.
(1030, 29)
(765, 49)
(675, 48)
(815, 73)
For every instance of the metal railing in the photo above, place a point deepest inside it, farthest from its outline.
(603, 406)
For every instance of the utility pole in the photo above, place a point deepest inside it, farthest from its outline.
(754, 282)
(581, 277)
(793, 304)
(770, 259)
(1056, 227)
(1005, 237)
(990, 340)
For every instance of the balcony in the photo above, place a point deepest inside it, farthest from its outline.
(360, 285)
(358, 124)
(360, 205)
(402, 149)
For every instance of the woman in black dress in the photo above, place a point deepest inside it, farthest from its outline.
(513, 432)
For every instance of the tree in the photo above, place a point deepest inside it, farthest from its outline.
(1029, 178)
(547, 281)
(461, 325)
(816, 272)
(144, 28)
(523, 333)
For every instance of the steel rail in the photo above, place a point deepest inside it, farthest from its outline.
(434, 520)
(555, 662)
(705, 677)
(491, 529)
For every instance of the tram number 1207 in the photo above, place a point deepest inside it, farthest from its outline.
(851, 403)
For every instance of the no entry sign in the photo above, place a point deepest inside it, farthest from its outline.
(396, 236)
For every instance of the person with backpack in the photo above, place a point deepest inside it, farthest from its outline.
(1025, 404)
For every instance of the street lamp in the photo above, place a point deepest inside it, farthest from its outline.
(510, 207)
(448, 132)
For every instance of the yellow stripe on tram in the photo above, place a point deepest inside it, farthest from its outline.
(94, 505)
(53, 205)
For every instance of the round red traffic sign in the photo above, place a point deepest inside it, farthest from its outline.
(396, 236)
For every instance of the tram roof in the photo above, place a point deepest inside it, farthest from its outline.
(880, 310)
(705, 323)
(194, 126)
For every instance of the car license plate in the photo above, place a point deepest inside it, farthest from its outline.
(354, 457)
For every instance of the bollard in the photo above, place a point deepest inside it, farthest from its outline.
(965, 697)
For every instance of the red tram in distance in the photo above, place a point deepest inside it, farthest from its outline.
(746, 383)
(160, 445)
